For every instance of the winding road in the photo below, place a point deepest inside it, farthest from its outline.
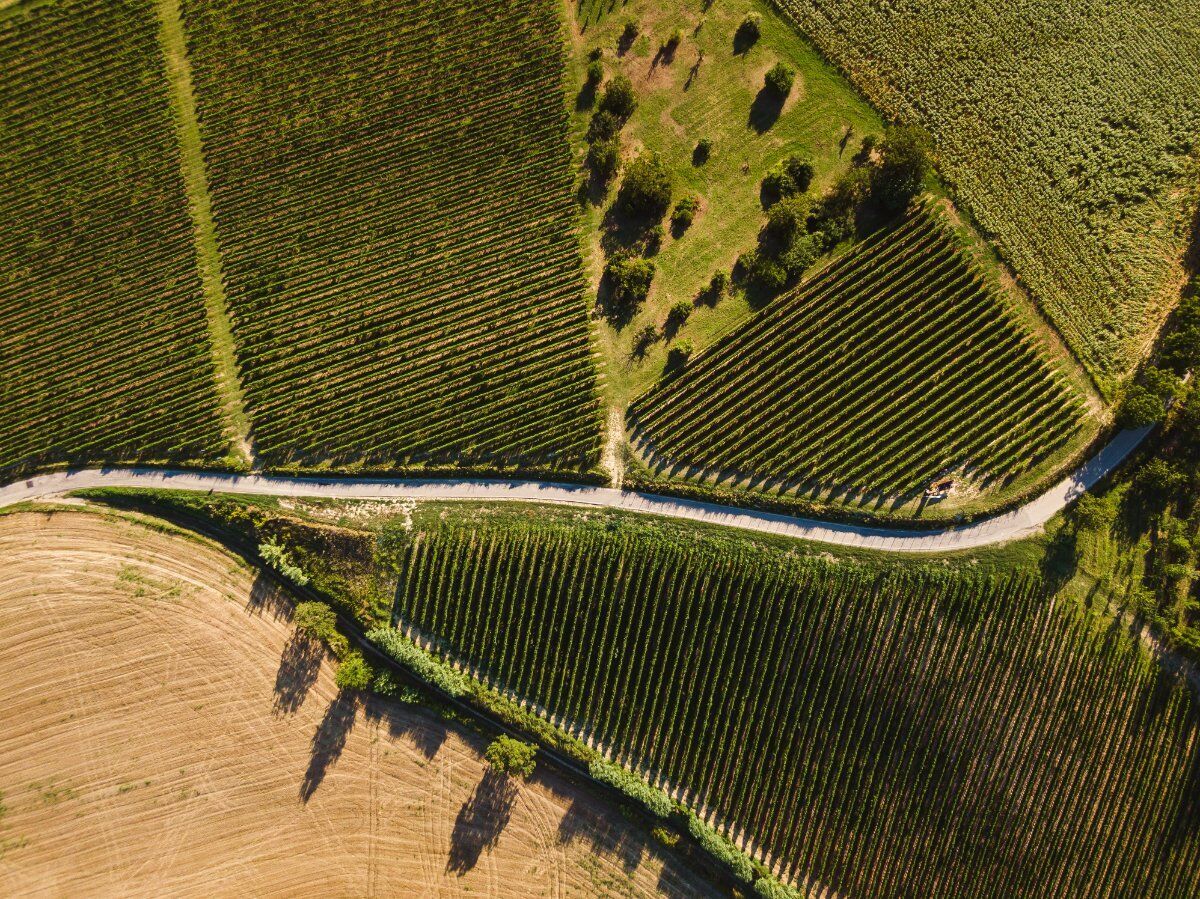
(1020, 522)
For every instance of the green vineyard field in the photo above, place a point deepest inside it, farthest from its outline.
(880, 732)
(1068, 130)
(103, 340)
(893, 365)
(393, 197)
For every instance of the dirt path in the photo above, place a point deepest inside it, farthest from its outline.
(164, 733)
(1023, 521)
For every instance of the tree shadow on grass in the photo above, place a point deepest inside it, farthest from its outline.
(329, 740)
(765, 110)
(427, 734)
(266, 596)
(298, 669)
(480, 821)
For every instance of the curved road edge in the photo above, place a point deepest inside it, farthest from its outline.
(1021, 522)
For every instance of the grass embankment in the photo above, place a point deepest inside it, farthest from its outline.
(706, 90)
(896, 691)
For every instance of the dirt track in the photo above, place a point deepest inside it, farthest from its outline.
(163, 732)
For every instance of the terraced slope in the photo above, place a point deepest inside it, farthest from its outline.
(103, 346)
(1069, 129)
(893, 365)
(393, 200)
(880, 733)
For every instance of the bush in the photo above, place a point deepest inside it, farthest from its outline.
(509, 756)
(655, 801)
(353, 672)
(1159, 476)
(645, 193)
(770, 888)
(749, 31)
(604, 158)
(761, 271)
(684, 213)
(680, 352)
(1139, 407)
(679, 312)
(718, 284)
(703, 151)
(277, 558)
(603, 126)
(788, 218)
(630, 278)
(385, 683)
(664, 836)
(618, 99)
(595, 72)
(906, 152)
(721, 849)
(792, 176)
(1093, 513)
(779, 80)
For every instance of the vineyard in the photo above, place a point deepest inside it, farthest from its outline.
(392, 191)
(1073, 152)
(895, 364)
(103, 341)
(878, 732)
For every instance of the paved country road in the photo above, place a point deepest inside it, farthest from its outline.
(1021, 522)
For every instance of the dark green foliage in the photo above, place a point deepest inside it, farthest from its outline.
(1094, 513)
(1140, 406)
(779, 79)
(595, 72)
(629, 279)
(1160, 476)
(679, 312)
(604, 158)
(645, 194)
(748, 31)
(792, 176)
(513, 757)
(316, 619)
(603, 126)
(618, 99)
(762, 271)
(684, 213)
(718, 284)
(788, 218)
(680, 352)
(702, 152)
(906, 160)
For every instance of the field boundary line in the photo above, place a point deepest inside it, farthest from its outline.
(173, 42)
(1024, 521)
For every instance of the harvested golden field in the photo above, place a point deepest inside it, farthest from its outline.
(165, 732)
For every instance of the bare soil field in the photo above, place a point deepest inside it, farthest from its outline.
(163, 731)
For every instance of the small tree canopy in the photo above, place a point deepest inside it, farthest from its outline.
(645, 192)
(1159, 476)
(630, 278)
(749, 30)
(618, 98)
(906, 158)
(684, 213)
(509, 756)
(1140, 407)
(1093, 513)
(353, 672)
(779, 80)
(315, 619)
(595, 72)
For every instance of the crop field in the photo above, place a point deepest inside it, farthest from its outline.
(877, 732)
(103, 341)
(896, 363)
(167, 733)
(1068, 130)
(392, 192)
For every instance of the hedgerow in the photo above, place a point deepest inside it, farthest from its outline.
(103, 338)
(396, 221)
(894, 364)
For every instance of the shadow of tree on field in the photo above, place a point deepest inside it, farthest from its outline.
(426, 733)
(266, 596)
(298, 668)
(765, 110)
(329, 740)
(581, 822)
(481, 820)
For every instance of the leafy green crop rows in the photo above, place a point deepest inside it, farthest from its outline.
(894, 364)
(881, 733)
(392, 192)
(1066, 128)
(103, 344)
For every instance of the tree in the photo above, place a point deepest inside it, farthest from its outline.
(1159, 476)
(509, 756)
(595, 72)
(630, 278)
(702, 152)
(1093, 513)
(718, 284)
(645, 193)
(779, 80)
(748, 31)
(618, 98)
(680, 352)
(315, 619)
(792, 176)
(1139, 408)
(787, 218)
(353, 672)
(679, 312)
(603, 126)
(905, 161)
(604, 158)
(276, 557)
